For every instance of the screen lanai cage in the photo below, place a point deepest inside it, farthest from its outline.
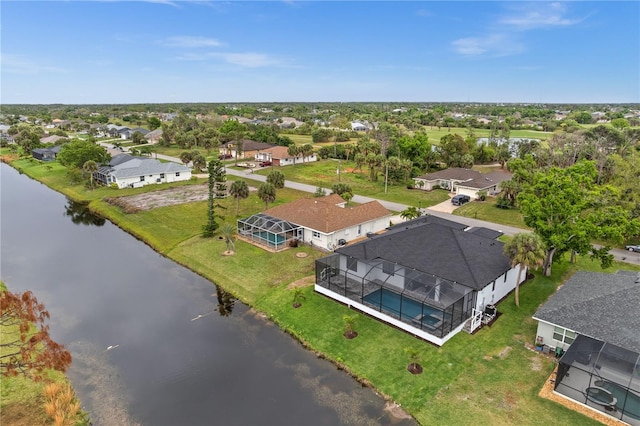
(422, 300)
(603, 376)
(268, 231)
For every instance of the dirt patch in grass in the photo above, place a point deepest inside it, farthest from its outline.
(164, 197)
(303, 282)
(503, 353)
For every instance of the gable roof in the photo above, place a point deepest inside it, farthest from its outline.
(603, 306)
(439, 249)
(324, 215)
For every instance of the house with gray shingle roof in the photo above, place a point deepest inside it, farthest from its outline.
(463, 181)
(127, 171)
(429, 276)
(324, 222)
(602, 306)
(593, 321)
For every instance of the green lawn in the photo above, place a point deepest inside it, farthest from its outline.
(487, 210)
(435, 135)
(489, 377)
(324, 173)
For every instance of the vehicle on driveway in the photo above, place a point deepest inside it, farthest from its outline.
(265, 164)
(460, 199)
(225, 156)
(635, 248)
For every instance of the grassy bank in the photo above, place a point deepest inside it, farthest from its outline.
(487, 377)
(22, 400)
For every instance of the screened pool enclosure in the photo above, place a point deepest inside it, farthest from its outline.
(423, 301)
(603, 376)
(268, 231)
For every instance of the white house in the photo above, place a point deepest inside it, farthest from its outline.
(593, 322)
(324, 222)
(429, 276)
(463, 181)
(128, 171)
(279, 156)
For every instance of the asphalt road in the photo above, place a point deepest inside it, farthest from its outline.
(618, 254)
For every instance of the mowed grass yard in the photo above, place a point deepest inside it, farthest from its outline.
(323, 173)
(489, 377)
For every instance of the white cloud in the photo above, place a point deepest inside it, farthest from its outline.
(491, 45)
(191, 42)
(246, 60)
(539, 15)
(20, 64)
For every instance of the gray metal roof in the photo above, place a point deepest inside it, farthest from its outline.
(439, 249)
(603, 306)
(124, 166)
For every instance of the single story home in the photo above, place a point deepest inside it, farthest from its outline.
(128, 133)
(127, 171)
(594, 321)
(46, 154)
(248, 148)
(154, 135)
(279, 156)
(358, 126)
(323, 222)
(429, 276)
(462, 181)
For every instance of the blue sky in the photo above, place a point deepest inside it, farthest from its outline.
(306, 51)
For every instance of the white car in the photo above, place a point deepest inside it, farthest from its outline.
(635, 248)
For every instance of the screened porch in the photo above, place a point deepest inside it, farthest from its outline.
(423, 301)
(264, 230)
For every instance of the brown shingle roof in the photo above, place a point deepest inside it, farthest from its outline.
(279, 152)
(324, 215)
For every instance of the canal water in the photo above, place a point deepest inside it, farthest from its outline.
(152, 342)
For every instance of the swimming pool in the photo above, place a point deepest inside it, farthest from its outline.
(627, 402)
(405, 308)
(270, 238)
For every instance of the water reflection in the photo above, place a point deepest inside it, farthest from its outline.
(225, 302)
(81, 215)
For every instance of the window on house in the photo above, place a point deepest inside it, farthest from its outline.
(177, 173)
(388, 268)
(563, 335)
(161, 175)
(493, 286)
(141, 178)
(352, 264)
(316, 235)
(505, 277)
(359, 230)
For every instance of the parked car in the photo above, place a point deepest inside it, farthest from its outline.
(460, 199)
(225, 156)
(635, 248)
(265, 163)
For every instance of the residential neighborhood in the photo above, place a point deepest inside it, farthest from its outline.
(415, 242)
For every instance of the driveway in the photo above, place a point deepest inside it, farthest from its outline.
(445, 206)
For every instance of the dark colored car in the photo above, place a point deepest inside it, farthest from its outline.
(635, 248)
(460, 199)
(225, 156)
(265, 164)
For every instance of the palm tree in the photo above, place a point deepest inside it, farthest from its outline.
(410, 212)
(227, 231)
(276, 178)
(527, 250)
(293, 151)
(267, 193)
(90, 167)
(186, 157)
(306, 150)
(239, 190)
